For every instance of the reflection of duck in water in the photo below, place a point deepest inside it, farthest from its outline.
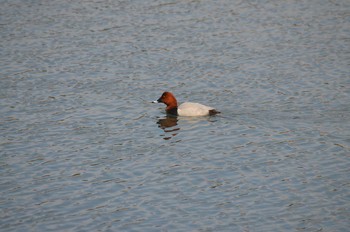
(168, 122)
(185, 109)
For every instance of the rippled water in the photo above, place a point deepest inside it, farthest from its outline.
(83, 149)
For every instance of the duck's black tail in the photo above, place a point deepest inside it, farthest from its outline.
(213, 112)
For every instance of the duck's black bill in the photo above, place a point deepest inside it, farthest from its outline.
(158, 101)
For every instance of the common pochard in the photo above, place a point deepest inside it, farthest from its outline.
(185, 109)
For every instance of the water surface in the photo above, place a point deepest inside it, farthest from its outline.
(83, 149)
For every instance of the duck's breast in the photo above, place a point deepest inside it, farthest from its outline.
(193, 109)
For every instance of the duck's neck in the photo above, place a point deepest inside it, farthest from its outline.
(172, 110)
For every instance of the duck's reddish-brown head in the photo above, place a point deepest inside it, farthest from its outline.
(168, 99)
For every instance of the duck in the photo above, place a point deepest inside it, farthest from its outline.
(185, 109)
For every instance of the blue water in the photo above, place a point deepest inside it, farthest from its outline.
(83, 149)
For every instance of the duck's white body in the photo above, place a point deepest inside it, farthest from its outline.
(193, 109)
